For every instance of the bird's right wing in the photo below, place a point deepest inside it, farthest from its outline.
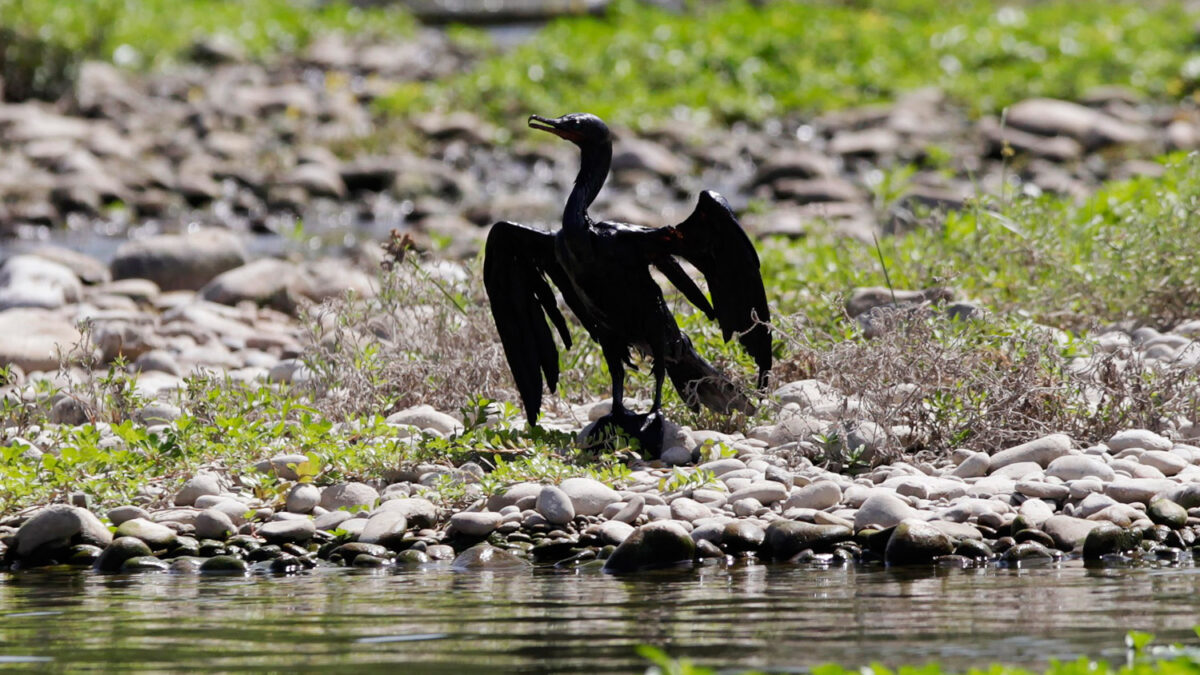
(517, 260)
(714, 242)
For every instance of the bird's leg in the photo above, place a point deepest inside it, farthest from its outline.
(617, 369)
(660, 376)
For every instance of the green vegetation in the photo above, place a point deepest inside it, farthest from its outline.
(1124, 253)
(45, 40)
(232, 426)
(737, 60)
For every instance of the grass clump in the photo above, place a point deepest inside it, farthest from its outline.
(1122, 255)
(934, 383)
(42, 42)
(740, 60)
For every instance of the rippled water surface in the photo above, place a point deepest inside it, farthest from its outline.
(779, 618)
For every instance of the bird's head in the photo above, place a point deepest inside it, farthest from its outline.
(579, 128)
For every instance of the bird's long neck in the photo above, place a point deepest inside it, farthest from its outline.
(594, 162)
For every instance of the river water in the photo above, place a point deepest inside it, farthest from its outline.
(776, 618)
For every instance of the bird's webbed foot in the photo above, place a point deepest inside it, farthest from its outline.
(609, 431)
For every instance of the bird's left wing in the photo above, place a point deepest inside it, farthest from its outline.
(714, 242)
(517, 260)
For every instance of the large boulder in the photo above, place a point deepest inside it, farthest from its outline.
(487, 558)
(786, 538)
(589, 496)
(31, 338)
(1040, 450)
(59, 526)
(916, 542)
(32, 281)
(179, 262)
(658, 544)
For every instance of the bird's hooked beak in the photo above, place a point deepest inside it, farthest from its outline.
(547, 124)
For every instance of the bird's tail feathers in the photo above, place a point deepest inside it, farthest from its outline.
(699, 383)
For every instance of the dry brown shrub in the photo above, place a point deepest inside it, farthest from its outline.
(937, 384)
(426, 337)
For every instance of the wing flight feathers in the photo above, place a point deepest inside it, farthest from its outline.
(516, 262)
(714, 242)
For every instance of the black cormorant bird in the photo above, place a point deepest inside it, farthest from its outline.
(602, 270)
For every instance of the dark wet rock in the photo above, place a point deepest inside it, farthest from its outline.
(1035, 535)
(783, 539)
(1107, 539)
(915, 542)
(1167, 512)
(120, 550)
(224, 564)
(484, 558)
(370, 561)
(179, 262)
(411, 557)
(1028, 551)
(974, 549)
(348, 552)
(288, 531)
(741, 536)
(157, 537)
(58, 527)
(84, 555)
(146, 563)
(30, 338)
(184, 546)
(653, 545)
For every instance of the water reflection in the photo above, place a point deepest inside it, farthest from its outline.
(770, 617)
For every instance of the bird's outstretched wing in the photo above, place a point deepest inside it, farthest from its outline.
(714, 242)
(517, 260)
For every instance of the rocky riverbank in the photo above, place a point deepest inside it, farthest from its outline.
(254, 148)
(1135, 497)
(203, 168)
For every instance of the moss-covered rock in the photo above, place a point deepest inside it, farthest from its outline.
(1108, 539)
(915, 542)
(785, 538)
